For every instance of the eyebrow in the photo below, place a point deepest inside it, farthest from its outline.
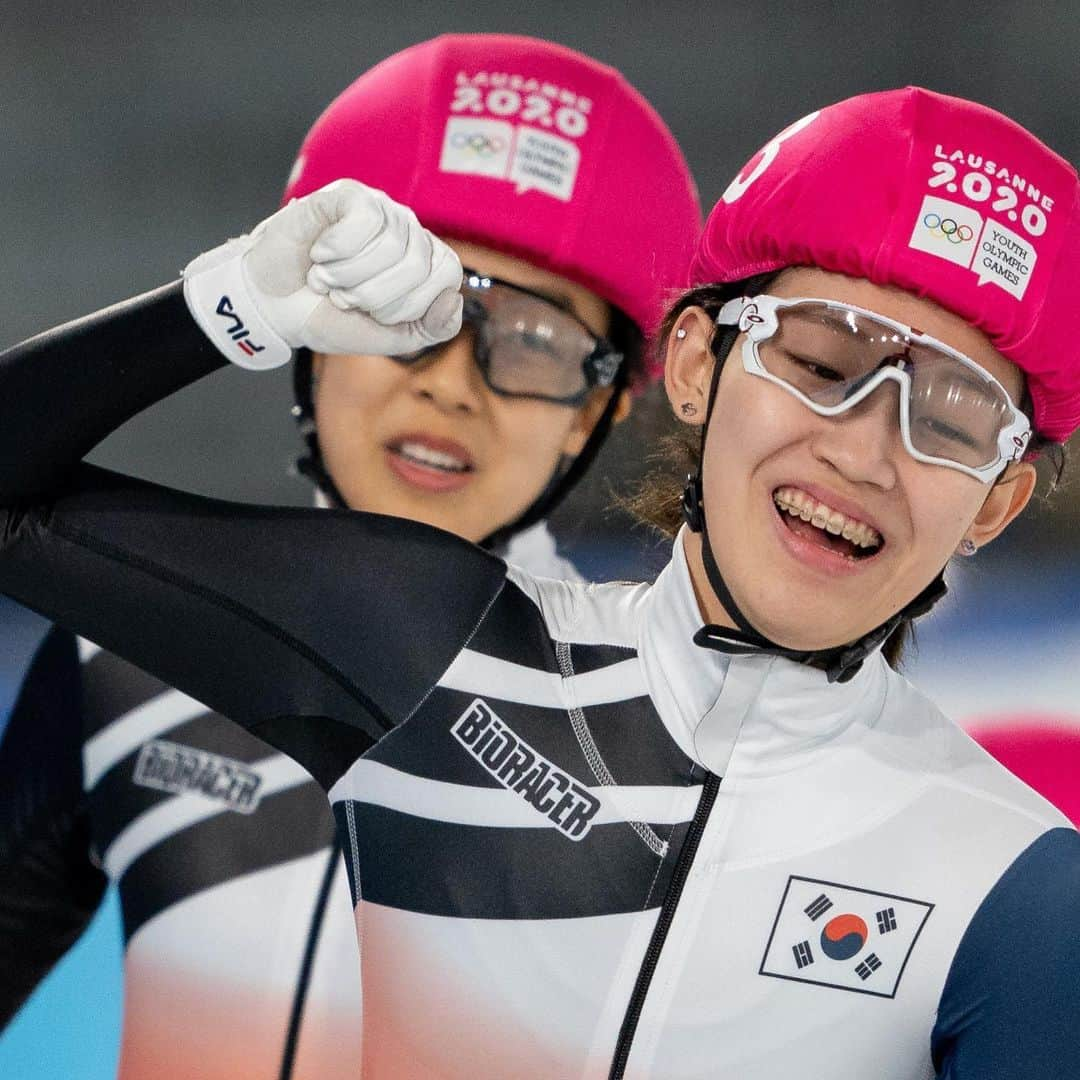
(559, 299)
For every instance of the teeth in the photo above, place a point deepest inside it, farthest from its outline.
(798, 504)
(425, 455)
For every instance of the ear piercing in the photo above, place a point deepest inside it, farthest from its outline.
(686, 408)
(967, 547)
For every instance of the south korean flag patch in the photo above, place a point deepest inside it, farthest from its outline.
(844, 937)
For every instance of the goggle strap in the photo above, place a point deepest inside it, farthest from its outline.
(840, 663)
(721, 346)
(723, 594)
(312, 466)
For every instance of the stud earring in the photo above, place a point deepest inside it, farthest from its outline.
(967, 547)
(687, 409)
(680, 333)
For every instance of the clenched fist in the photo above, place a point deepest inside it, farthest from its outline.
(342, 270)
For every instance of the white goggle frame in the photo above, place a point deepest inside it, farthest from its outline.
(757, 318)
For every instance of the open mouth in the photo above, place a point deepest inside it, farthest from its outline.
(426, 456)
(826, 527)
(430, 465)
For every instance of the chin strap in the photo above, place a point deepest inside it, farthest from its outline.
(840, 663)
(565, 478)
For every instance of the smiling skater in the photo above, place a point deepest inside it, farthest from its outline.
(692, 829)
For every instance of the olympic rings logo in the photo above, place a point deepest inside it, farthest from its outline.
(481, 145)
(947, 227)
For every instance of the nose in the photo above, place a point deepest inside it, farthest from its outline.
(863, 443)
(449, 377)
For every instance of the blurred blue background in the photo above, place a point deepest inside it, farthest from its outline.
(71, 1026)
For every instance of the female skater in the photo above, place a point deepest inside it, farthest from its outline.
(202, 825)
(695, 829)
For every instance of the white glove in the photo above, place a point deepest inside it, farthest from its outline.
(342, 270)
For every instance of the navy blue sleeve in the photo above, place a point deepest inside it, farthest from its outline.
(1010, 1009)
(49, 884)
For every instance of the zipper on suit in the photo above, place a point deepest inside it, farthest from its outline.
(663, 924)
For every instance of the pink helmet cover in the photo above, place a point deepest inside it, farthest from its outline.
(942, 197)
(524, 146)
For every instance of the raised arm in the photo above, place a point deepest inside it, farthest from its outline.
(271, 616)
(64, 391)
(343, 270)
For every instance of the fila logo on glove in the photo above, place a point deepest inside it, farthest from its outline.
(238, 331)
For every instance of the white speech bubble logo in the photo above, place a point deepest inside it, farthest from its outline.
(544, 162)
(1005, 259)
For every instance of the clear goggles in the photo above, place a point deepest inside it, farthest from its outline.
(527, 346)
(831, 356)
